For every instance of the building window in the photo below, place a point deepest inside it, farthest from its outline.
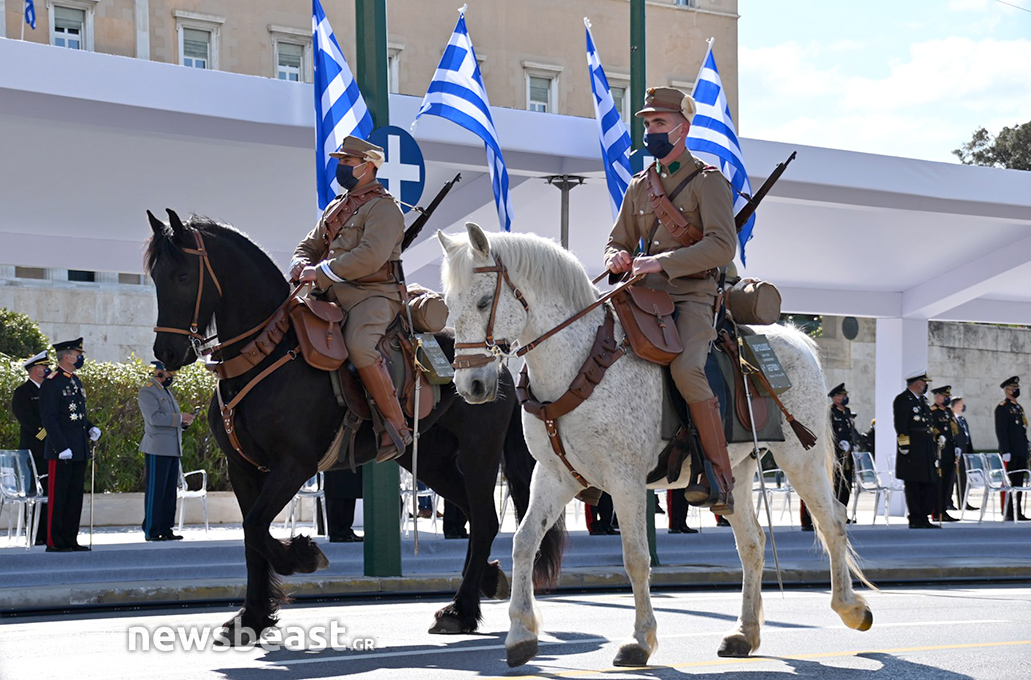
(541, 87)
(692, 4)
(394, 67)
(289, 61)
(71, 24)
(80, 275)
(199, 36)
(292, 52)
(196, 48)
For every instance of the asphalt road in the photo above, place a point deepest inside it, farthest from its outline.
(948, 632)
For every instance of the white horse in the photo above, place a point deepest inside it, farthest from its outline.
(613, 438)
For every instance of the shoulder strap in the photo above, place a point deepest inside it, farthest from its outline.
(672, 219)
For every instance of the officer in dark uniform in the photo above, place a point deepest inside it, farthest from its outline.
(965, 444)
(62, 404)
(342, 489)
(1011, 430)
(844, 428)
(32, 434)
(916, 450)
(946, 428)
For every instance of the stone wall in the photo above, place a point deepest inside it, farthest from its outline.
(115, 320)
(973, 358)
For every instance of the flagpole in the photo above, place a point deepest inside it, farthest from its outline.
(705, 59)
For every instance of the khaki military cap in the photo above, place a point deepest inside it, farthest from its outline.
(669, 100)
(355, 147)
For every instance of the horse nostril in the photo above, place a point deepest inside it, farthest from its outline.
(477, 387)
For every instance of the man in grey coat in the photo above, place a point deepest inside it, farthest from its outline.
(162, 447)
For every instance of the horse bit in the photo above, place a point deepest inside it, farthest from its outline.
(495, 350)
(197, 341)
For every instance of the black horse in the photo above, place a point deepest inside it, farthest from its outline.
(288, 421)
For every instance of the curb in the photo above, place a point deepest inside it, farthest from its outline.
(150, 594)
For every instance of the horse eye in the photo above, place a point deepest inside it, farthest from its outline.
(484, 302)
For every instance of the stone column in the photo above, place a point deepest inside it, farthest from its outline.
(105, 277)
(6, 270)
(142, 29)
(3, 20)
(55, 274)
(901, 350)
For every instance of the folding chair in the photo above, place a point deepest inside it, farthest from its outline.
(870, 481)
(977, 478)
(184, 491)
(408, 487)
(314, 489)
(776, 483)
(20, 490)
(999, 481)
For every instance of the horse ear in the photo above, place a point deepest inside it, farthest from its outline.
(450, 244)
(178, 228)
(477, 239)
(157, 226)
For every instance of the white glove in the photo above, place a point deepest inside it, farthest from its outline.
(1005, 458)
(65, 455)
(959, 452)
(94, 434)
(941, 440)
(844, 446)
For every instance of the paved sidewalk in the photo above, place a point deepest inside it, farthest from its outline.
(123, 569)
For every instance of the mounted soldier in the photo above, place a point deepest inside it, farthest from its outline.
(354, 254)
(685, 264)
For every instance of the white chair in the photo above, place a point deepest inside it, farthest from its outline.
(999, 482)
(184, 492)
(977, 478)
(314, 489)
(776, 482)
(868, 480)
(408, 487)
(21, 491)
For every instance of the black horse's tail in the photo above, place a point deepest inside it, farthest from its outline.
(518, 466)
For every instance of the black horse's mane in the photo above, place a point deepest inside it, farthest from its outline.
(165, 248)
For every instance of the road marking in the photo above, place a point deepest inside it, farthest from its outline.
(757, 659)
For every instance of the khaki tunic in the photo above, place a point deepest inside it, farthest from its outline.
(367, 241)
(707, 203)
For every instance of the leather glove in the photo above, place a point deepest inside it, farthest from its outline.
(65, 455)
(94, 434)
(845, 446)
(1005, 458)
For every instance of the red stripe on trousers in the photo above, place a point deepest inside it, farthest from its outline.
(51, 481)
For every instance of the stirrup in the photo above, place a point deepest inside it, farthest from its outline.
(397, 445)
(707, 494)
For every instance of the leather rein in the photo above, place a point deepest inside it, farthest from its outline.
(604, 353)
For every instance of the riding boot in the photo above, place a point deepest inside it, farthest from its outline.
(706, 417)
(396, 436)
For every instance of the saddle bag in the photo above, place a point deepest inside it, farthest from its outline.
(752, 301)
(647, 319)
(317, 325)
(429, 311)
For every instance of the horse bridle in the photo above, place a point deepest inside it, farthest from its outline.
(495, 350)
(203, 263)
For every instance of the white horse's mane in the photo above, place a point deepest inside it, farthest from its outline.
(529, 257)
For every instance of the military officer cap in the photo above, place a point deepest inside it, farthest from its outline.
(40, 359)
(158, 366)
(944, 389)
(1015, 380)
(920, 375)
(840, 389)
(355, 147)
(668, 100)
(69, 344)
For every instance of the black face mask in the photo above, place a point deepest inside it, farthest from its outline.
(46, 371)
(658, 144)
(947, 401)
(345, 175)
(79, 361)
(924, 390)
(167, 382)
(1016, 392)
(844, 401)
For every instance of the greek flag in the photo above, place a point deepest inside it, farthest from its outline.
(339, 108)
(30, 14)
(615, 140)
(456, 93)
(713, 139)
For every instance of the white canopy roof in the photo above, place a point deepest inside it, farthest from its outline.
(90, 141)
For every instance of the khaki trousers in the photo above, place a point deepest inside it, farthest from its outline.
(694, 323)
(365, 326)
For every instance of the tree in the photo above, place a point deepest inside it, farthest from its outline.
(1011, 148)
(19, 335)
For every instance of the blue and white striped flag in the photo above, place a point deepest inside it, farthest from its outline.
(340, 109)
(713, 139)
(30, 14)
(456, 93)
(615, 140)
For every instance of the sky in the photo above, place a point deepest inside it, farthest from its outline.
(911, 78)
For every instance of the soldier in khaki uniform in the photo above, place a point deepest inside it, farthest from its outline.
(686, 272)
(352, 254)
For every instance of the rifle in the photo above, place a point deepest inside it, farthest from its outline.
(425, 213)
(755, 199)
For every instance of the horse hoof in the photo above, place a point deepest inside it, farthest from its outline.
(521, 652)
(631, 654)
(448, 625)
(867, 623)
(321, 561)
(503, 589)
(735, 646)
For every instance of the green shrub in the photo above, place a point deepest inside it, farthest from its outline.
(20, 337)
(111, 391)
